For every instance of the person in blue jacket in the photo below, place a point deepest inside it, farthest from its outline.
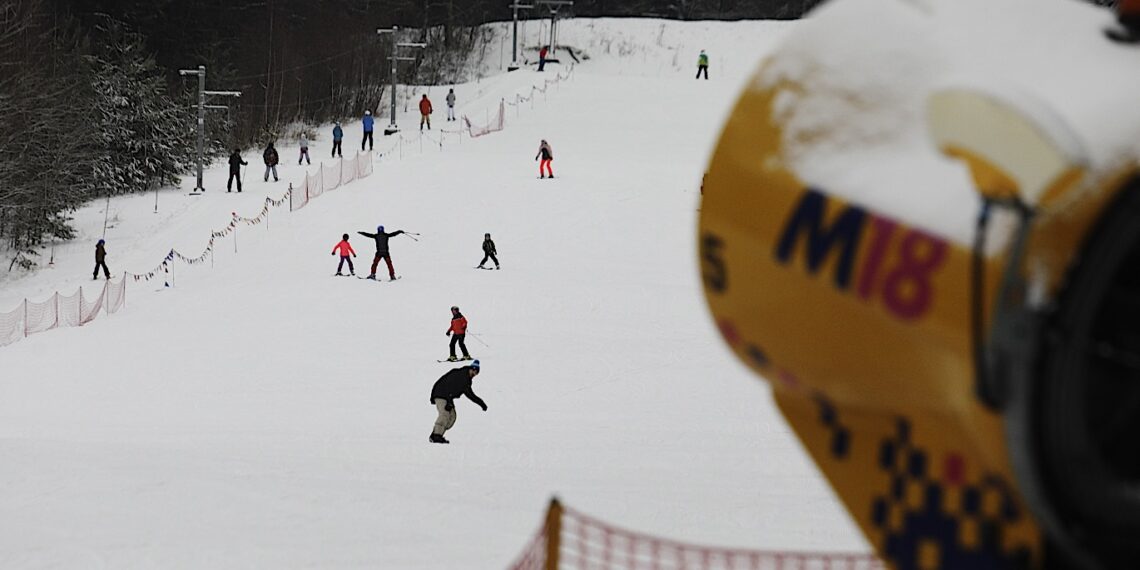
(338, 134)
(367, 131)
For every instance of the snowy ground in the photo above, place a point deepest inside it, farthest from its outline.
(265, 414)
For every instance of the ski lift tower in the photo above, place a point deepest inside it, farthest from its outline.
(395, 57)
(554, 6)
(202, 106)
(515, 43)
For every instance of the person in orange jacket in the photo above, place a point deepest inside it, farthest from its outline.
(457, 332)
(345, 250)
(425, 112)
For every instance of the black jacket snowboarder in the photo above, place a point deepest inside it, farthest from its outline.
(235, 170)
(382, 251)
(489, 251)
(450, 386)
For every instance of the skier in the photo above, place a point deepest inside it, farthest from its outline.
(425, 112)
(547, 155)
(703, 65)
(542, 58)
(456, 383)
(101, 261)
(367, 131)
(338, 135)
(304, 150)
(382, 251)
(489, 251)
(458, 332)
(345, 249)
(451, 104)
(271, 159)
(235, 170)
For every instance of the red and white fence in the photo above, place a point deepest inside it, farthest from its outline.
(328, 178)
(569, 539)
(58, 311)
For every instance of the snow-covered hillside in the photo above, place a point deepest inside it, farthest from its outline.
(263, 413)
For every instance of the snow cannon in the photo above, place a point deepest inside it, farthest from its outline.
(921, 225)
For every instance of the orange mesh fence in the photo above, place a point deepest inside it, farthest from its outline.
(571, 540)
(73, 310)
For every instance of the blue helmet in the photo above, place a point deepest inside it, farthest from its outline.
(101, 242)
(379, 229)
(475, 364)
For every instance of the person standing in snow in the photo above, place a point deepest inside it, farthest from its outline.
(304, 150)
(101, 261)
(367, 122)
(345, 250)
(338, 136)
(451, 104)
(489, 251)
(382, 251)
(458, 332)
(271, 160)
(703, 65)
(449, 387)
(547, 155)
(425, 112)
(235, 170)
(542, 58)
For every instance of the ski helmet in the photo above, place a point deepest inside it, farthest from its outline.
(101, 242)
(454, 307)
(344, 237)
(379, 229)
(475, 364)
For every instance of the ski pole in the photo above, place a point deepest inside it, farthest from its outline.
(478, 339)
(410, 234)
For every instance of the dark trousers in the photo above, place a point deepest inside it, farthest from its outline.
(541, 64)
(340, 266)
(336, 149)
(230, 182)
(458, 339)
(492, 257)
(387, 259)
(304, 156)
(702, 68)
(366, 140)
(107, 272)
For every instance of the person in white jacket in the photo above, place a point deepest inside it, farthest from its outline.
(451, 104)
(304, 150)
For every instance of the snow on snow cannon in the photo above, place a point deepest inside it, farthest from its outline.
(930, 247)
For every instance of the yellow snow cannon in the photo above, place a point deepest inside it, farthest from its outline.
(941, 282)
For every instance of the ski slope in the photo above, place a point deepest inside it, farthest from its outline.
(262, 413)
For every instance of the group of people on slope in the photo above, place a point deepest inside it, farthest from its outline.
(383, 252)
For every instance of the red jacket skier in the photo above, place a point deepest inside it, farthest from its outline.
(458, 331)
(425, 112)
(345, 250)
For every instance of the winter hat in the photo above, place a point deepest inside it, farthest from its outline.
(368, 112)
(454, 307)
(101, 242)
(344, 237)
(379, 228)
(475, 364)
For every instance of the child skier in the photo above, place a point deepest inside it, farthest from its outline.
(425, 112)
(488, 251)
(235, 170)
(345, 250)
(382, 251)
(271, 160)
(449, 387)
(547, 155)
(101, 261)
(458, 332)
(367, 123)
(338, 136)
(451, 104)
(304, 150)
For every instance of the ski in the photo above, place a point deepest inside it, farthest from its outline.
(456, 361)
(487, 268)
(378, 280)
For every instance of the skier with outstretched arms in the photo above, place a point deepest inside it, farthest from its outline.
(381, 238)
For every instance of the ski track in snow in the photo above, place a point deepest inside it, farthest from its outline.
(263, 414)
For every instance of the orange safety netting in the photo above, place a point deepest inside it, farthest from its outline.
(328, 178)
(73, 310)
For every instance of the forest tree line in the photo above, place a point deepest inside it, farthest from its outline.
(92, 105)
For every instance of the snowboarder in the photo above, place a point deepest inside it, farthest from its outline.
(703, 65)
(451, 104)
(345, 250)
(101, 261)
(425, 112)
(367, 122)
(489, 251)
(382, 251)
(547, 155)
(338, 136)
(304, 150)
(449, 387)
(271, 160)
(458, 332)
(235, 170)
(542, 58)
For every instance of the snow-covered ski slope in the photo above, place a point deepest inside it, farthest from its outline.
(264, 414)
